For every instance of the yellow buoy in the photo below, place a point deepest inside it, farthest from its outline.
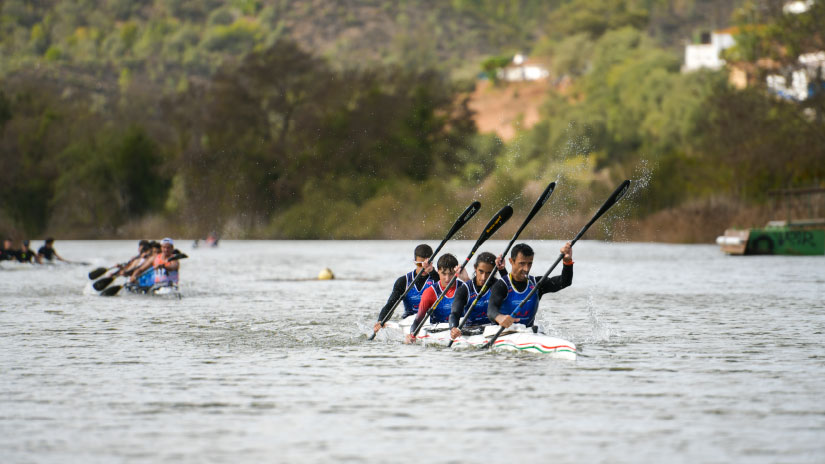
(326, 274)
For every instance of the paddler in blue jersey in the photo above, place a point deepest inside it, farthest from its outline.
(447, 268)
(509, 292)
(469, 290)
(422, 254)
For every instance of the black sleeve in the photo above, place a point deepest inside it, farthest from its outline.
(554, 284)
(397, 289)
(459, 302)
(497, 295)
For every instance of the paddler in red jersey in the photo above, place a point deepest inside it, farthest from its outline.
(447, 267)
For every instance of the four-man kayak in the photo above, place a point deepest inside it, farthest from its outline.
(516, 338)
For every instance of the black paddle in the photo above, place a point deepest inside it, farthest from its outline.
(459, 223)
(495, 223)
(104, 282)
(536, 207)
(101, 284)
(102, 270)
(111, 291)
(94, 274)
(616, 196)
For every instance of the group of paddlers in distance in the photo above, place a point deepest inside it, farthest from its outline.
(46, 254)
(156, 265)
(446, 293)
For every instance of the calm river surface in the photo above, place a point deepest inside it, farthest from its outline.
(687, 355)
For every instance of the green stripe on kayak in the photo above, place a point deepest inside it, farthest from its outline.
(534, 347)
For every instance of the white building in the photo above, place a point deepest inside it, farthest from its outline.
(522, 70)
(796, 83)
(706, 55)
(797, 7)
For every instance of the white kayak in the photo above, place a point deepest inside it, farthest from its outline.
(167, 291)
(516, 338)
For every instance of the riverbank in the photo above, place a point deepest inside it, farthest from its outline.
(699, 221)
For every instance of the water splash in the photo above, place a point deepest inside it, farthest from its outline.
(600, 331)
(615, 223)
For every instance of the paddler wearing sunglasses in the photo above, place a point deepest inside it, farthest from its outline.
(422, 253)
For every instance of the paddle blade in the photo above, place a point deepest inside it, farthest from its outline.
(102, 283)
(495, 224)
(111, 291)
(614, 197)
(465, 216)
(540, 202)
(97, 273)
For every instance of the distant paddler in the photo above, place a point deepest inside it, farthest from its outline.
(141, 268)
(27, 255)
(165, 267)
(447, 269)
(466, 293)
(48, 253)
(509, 292)
(421, 255)
(8, 253)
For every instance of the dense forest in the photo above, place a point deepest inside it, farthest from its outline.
(350, 119)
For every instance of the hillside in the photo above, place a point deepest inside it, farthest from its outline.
(367, 119)
(509, 108)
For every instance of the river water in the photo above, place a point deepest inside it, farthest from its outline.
(686, 355)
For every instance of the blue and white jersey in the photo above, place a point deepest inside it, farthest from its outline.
(413, 298)
(147, 279)
(479, 314)
(527, 312)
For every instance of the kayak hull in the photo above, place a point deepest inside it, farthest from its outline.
(166, 291)
(516, 338)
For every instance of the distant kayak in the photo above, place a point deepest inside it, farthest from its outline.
(167, 291)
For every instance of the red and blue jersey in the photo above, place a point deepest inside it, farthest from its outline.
(441, 313)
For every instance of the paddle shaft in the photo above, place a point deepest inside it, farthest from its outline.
(440, 297)
(614, 197)
(495, 223)
(465, 216)
(536, 207)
